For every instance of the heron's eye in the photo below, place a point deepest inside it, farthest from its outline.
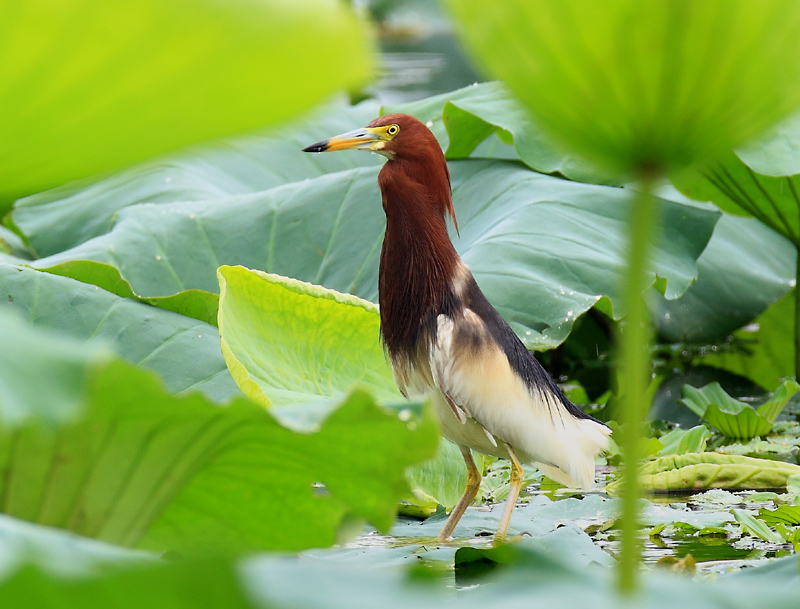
(392, 130)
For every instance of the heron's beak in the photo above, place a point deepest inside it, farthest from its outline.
(367, 138)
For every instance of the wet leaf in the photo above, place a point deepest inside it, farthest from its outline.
(743, 271)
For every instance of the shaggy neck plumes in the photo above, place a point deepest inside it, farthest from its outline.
(418, 259)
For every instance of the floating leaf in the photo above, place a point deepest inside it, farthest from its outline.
(712, 470)
(755, 527)
(787, 514)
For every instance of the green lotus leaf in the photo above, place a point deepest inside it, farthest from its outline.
(138, 467)
(291, 342)
(681, 441)
(198, 304)
(733, 418)
(60, 364)
(181, 585)
(463, 119)
(634, 85)
(712, 470)
(143, 77)
(743, 271)
(328, 230)
(787, 514)
(755, 526)
(738, 189)
(59, 219)
(184, 351)
(760, 351)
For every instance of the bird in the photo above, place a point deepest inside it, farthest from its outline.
(443, 338)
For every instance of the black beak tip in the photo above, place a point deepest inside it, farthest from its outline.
(318, 147)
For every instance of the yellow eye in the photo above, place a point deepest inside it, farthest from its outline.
(392, 130)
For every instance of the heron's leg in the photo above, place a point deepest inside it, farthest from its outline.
(473, 483)
(517, 476)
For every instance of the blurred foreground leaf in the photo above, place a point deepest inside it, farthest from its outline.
(139, 467)
(89, 86)
(657, 84)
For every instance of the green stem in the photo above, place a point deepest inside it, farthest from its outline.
(634, 369)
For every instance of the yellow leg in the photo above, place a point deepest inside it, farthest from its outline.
(473, 483)
(517, 476)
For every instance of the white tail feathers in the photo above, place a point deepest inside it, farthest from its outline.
(580, 443)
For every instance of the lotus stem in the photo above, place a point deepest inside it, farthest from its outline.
(633, 342)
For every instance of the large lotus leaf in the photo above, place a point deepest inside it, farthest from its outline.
(745, 268)
(542, 575)
(60, 366)
(198, 304)
(762, 351)
(712, 470)
(634, 85)
(291, 342)
(181, 585)
(142, 468)
(184, 351)
(61, 552)
(738, 189)
(776, 153)
(89, 86)
(287, 342)
(64, 217)
(545, 250)
(466, 117)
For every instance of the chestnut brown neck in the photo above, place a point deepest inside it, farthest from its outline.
(418, 260)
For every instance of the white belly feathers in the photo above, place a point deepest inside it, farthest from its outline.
(483, 404)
